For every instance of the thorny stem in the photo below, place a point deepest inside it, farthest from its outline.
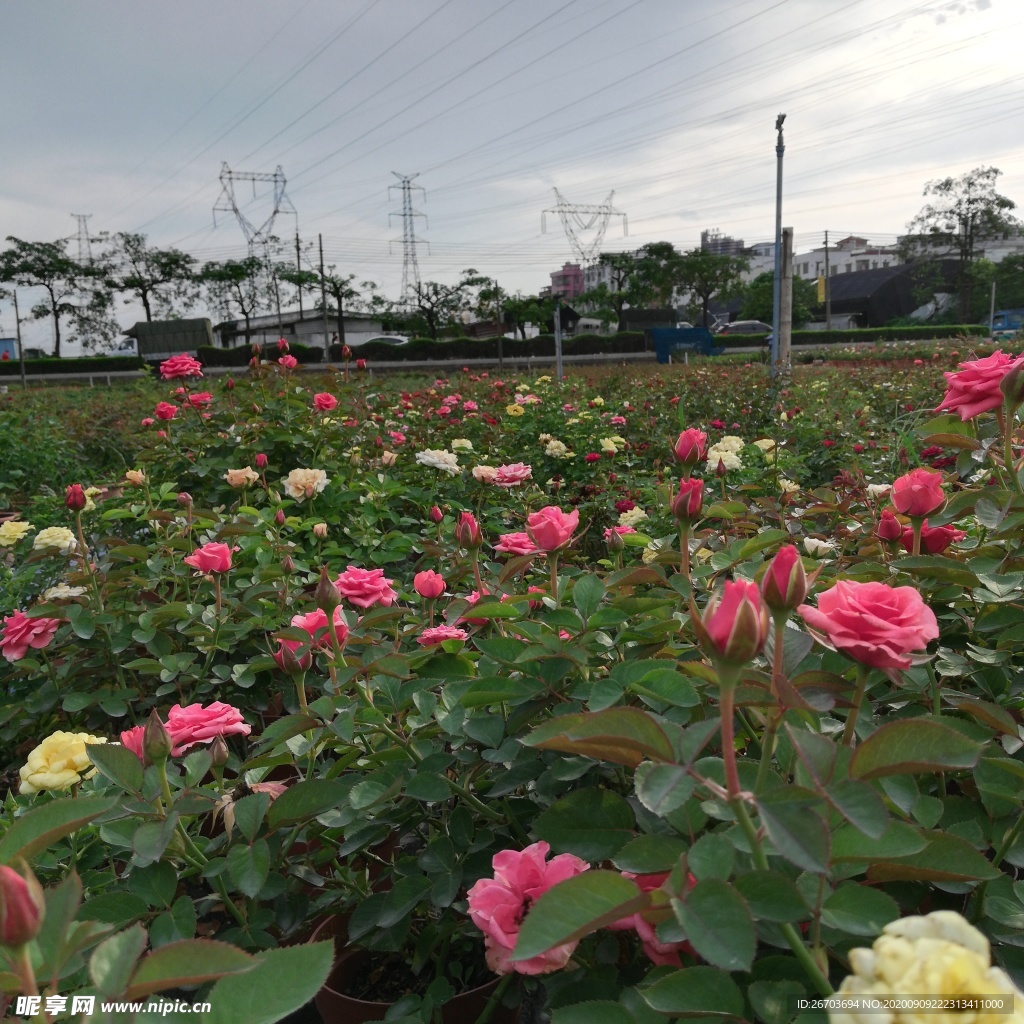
(863, 671)
(727, 692)
(684, 549)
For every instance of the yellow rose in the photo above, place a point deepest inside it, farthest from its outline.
(597, 400)
(58, 762)
(514, 410)
(12, 531)
(241, 478)
(135, 477)
(59, 537)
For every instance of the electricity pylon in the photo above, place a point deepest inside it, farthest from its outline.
(578, 218)
(410, 263)
(227, 203)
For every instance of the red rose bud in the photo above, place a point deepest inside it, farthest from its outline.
(436, 514)
(889, 527)
(75, 499)
(184, 499)
(360, 364)
(257, 348)
(467, 532)
(230, 384)
(346, 352)
(327, 597)
(21, 907)
(279, 517)
(218, 752)
(735, 623)
(156, 740)
(288, 661)
(784, 586)
(918, 493)
(688, 503)
(691, 446)
(1012, 387)
(720, 469)
(261, 461)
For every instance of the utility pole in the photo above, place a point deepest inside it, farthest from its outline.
(828, 290)
(323, 300)
(992, 307)
(558, 339)
(17, 331)
(786, 313)
(501, 328)
(298, 267)
(780, 149)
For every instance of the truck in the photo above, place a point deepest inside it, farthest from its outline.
(160, 339)
(1007, 324)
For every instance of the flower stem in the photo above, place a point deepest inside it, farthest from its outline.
(727, 692)
(553, 566)
(863, 671)
(684, 549)
(1008, 463)
(916, 522)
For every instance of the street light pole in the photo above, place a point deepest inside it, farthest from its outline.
(780, 148)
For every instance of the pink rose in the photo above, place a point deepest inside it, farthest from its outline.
(200, 399)
(365, 587)
(132, 740)
(664, 954)
(212, 557)
(288, 362)
(147, 421)
(974, 388)
(181, 366)
(438, 635)
(165, 411)
(691, 446)
(324, 401)
(551, 529)
(315, 624)
(516, 544)
(512, 475)
(195, 724)
(20, 633)
(934, 539)
(617, 531)
(918, 493)
(736, 622)
(872, 623)
(497, 905)
(428, 584)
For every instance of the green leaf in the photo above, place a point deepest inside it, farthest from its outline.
(647, 855)
(113, 960)
(429, 787)
(718, 924)
(591, 823)
(593, 1011)
(859, 910)
(249, 812)
(695, 992)
(663, 788)
(797, 831)
(305, 800)
(860, 805)
(189, 962)
(114, 908)
(500, 690)
(913, 745)
(41, 826)
(711, 856)
(249, 867)
(621, 735)
(771, 896)
(150, 840)
(946, 858)
(587, 594)
(118, 764)
(898, 840)
(576, 907)
(401, 899)
(773, 1001)
(281, 981)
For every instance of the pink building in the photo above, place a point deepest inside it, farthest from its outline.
(567, 282)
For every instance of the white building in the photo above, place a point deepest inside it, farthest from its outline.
(846, 256)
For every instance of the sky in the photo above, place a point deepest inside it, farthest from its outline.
(127, 113)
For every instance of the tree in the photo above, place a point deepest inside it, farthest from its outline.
(47, 265)
(156, 277)
(964, 212)
(439, 305)
(706, 275)
(238, 284)
(757, 299)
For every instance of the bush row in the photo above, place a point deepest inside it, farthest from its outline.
(240, 355)
(870, 334)
(543, 346)
(74, 364)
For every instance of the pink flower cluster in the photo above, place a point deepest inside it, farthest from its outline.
(191, 725)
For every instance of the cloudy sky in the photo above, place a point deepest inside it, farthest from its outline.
(127, 111)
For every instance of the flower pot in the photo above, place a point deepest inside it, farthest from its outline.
(337, 1008)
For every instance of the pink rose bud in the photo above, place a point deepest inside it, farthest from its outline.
(75, 498)
(184, 499)
(156, 740)
(21, 907)
(320, 530)
(889, 527)
(261, 461)
(720, 469)
(279, 517)
(1012, 387)
(784, 586)
(615, 541)
(282, 345)
(327, 597)
(287, 565)
(288, 661)
(428, 584)
(735, 623)
(918, 493)
(467, 532)
(230, 384)
(346, 352)
(256, 348)
(436, 514)
(691, 446)
(688, 503)
(360, 364)
(218, 752)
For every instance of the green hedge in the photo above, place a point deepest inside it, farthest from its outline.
(543, 346)
(868, 334)
(74, 364)
(240, 355)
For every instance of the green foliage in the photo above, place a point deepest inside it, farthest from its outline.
(757, 300)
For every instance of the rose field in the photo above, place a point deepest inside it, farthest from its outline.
(653, 693)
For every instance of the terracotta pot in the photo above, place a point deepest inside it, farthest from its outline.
(337, 1008)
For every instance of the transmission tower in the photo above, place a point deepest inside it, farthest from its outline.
(579, 218)
(227, 202)
(410, 264)
(84, 243)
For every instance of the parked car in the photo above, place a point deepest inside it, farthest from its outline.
(746, 327)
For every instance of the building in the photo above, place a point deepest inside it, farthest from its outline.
(871, 298)
(712, 240)
(847, 256)
(306, 329)
(995, 248)
(567, 282)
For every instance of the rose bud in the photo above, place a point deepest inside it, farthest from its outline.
(261, 461)
(428, 584)
(436, 514)
(287, 564)
(688, 503)
(360, 364)
(734, 625)
(75, 499)
(230, 384)
(21, 906)
(327, 597)
(156, 740)
(467, 532)
(1012, 387)
(184, 499)
(615, 541)
(691, 447)
(918, 493)
(889, 527)
(720, 469)
(288, 661)
(218, 752)
(279, 517)
(320, 530)
(346, 352)
(784, 586)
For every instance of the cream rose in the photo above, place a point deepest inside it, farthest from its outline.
(59, 537)
(300, 484)
(12, 531)
(59, 762)
(242, 478)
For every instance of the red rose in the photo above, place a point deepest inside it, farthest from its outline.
(872, 623)
(918, 493)
(212, 557)
(974, 388)
(75, 498)
(934, 539)
(366, 587)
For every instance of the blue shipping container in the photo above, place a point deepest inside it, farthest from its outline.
(8, 348)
